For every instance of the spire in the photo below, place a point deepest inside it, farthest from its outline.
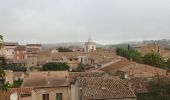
(89, 40)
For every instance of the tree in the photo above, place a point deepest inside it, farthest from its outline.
(168, 64)
(62, 49)
(17, 83)
(157, 90)
(55, 66)
(5, 86)
(154, 59)
(130, 54)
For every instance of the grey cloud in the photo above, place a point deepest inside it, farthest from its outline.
(108, 21)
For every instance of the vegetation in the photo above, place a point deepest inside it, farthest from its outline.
(55, 66)
(1, 37)
(154, 59)
(168, 64)
(157, 90)
(130, 54)
(5, 86)
(15, 68)
(62, 49)
(17, 83)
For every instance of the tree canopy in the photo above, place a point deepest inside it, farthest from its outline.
(154, 59)
(129, 53)
(63, 49)
(157, 90)
(55, 66)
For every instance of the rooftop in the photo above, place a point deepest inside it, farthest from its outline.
(102, 88)
(46, 79)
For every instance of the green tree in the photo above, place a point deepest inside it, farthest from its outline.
(63, 49)
(1, 37)
(154, 59)
(5, 86)
(157, 90)
(130, 54)
(55, 66)
(17, 83)
(168, 64)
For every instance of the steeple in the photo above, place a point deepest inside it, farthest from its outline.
(89, 40)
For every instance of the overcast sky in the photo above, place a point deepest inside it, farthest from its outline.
(108, 21)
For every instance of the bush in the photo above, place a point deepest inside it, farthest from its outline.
(154, 59)
(55, 66)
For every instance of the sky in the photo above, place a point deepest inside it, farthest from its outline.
(107, 21)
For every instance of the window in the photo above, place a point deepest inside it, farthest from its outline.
(17, 57)
(45, 96)
(59, 96)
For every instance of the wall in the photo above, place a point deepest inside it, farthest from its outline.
(37, 93)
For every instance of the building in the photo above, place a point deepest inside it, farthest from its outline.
(133, 69)
(48, 85)
(32, 60)
(9, 50)
(90, 45)
(103, 88)
(1, 44)
(73, 76)
(35, 46)
(19, 93)
(148, 48)
(20, 51)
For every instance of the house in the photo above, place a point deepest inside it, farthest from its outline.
(73, 76)
(9, 49)
(148, 48)
(103, 88)
(19, 93)
(32, 60)
(20, 51)
(48, 85)
(133, 69)
(35, 46)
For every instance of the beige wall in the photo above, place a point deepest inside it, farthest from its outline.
(9, 75)
(37, 93)
(25, 98)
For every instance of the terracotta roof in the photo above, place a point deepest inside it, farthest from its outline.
(102, 88)
(116, 65)
(20, 47)
(74, 75)
(46, 79)
(10, 43)
(20, 91)
(33, 44)
(142, 70)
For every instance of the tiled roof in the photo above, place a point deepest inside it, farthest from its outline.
(20, 47)
(142, 70)
(74, 75)
(10, 43)
(104, 88)
(19, 91)
(116, 65)
(46, 79)
(33, 44)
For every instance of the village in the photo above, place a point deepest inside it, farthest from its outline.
(88, 73)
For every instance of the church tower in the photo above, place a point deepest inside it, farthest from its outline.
(90, 45)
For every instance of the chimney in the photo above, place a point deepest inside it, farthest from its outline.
(48, 74)
(27, 75)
